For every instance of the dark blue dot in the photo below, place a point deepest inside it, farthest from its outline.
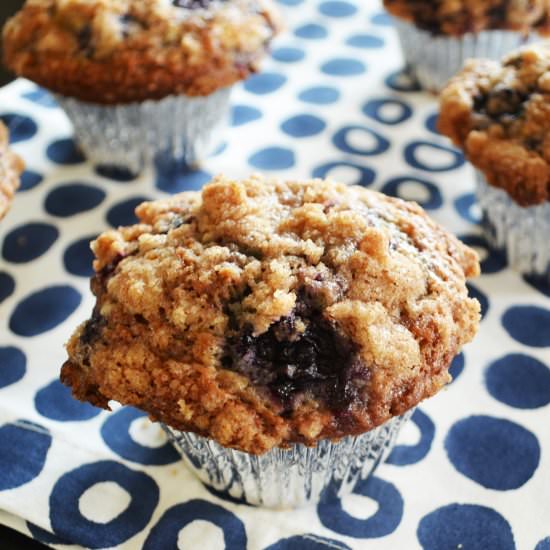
(402, 81)
(382, 19)
(243, 114)
(378, 143)
(465, 526)
(7, 285)
(474, 292)
(385, 520)
(457, 366)
(13, 365)
(44, 310)
(343, 66)
(264, 83)
(56, 402)
(365, 175)
(64, 151)
(543, 544)
(464, 206)
(319, 95)
(308, 542)
(68, 522)
(23, 450)
(431, 123)
(21, 127)
(123, 213)
(519, 381)
(303, 126)
(337, 8)
(29, 180)
(78, 257)
(165, 533)
(73, 198)
(430, 197)
(180, 180)
(494, 452)
(43, 536)
(538, 283)
(116, 434)
(311, 31)
(288, 55)
(119, 174)
(491, 261)
(273, 158)
(403, 455)
(366, 41)
(528, 325)
(414, 149)
(40, 97)
(28, 242)
(378, 109)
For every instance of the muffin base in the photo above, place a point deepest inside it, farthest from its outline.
(433, 60)
(288, 478)
(520, 232)
(173, 130)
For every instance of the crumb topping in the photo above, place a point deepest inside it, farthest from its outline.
(11, 167)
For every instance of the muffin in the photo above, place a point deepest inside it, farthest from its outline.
(281, 331)
(141, 80)
(499, 114)
(438, 36)
(11, 167)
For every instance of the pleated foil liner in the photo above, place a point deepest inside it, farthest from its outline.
(434, 59)
(288, 478)
(521, 232)
(176, 129)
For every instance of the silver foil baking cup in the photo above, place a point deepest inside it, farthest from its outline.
(288, 478)
(434, 59)
(176, 129)
(521, 232)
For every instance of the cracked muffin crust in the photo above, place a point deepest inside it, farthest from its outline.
(122, 51)
(264, 312)
(11, 167)
(458, 17)
(499, 114)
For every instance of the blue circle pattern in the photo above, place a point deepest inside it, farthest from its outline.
(301, 126)
(308, 542)
(457, 366)
(264, 83)
(21, 127)
(493, 262)
(73, 198)
(394, 187)
(528, 325)
(412, 150)
(494, 452)
(343, 66)
(288, 54)
(273, 158)
(56, 402)
(23, 450)
(402, 81)
(123, 213)
(40, 97)
(7, 285)
(165, 533)
(465, 526)
(543, 544)
(403, 455)
(45, 537)
(341, 141)
(375, 108)
(44, 310)
(366, 174)
(538, 283)
(365, 41)
(69, 524)
(13, 365)
(464, 205)
(78, 257)
(311, 31)
(519, 381)
(337, 8)
(384, 521)
(28, 242)
(243, 114)
(474, 292)
(182, 180)
(319, 95)
(115, 433)
(64, 151)
(115, 173)
(29, 180)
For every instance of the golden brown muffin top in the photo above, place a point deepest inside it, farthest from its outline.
(11, 167)
(457, 17)
(265, 312)
(499, 113)
(119, 51)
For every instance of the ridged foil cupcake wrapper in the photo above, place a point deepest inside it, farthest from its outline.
(434, 59)
(288, 478)
(173, 130)
(522, 233)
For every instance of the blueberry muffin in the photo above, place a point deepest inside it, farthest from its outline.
(499, 114)
(438, 36)
(163, 57)
(11, 167)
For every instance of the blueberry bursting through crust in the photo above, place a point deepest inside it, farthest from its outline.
(261, 313)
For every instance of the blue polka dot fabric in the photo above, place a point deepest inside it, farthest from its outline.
(469, 471)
